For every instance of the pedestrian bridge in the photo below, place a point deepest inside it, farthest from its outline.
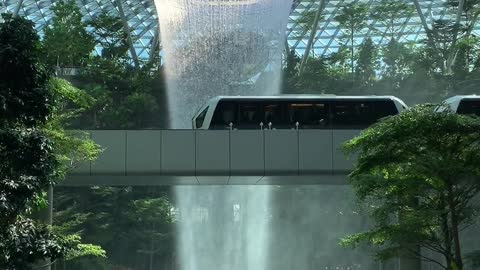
(216, 157)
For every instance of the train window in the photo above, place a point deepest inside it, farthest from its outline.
(353, 114)
(272, 112)
(384, 108)
(201, 118)
(469, 106)
(248, 115)
(224, 114)
(309, 115)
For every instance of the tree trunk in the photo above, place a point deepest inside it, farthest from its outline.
(448, 244)
(455, 233)
(452, 55)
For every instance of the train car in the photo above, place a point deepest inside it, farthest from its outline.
(295, 112)
(464, 104)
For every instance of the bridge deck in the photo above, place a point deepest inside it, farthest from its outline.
(216, 157)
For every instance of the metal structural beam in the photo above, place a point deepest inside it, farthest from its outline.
(305, 30)
(127, 30)
(216, 157)
(313, 33)
(155, 45)
(427, 30)
(17, 8)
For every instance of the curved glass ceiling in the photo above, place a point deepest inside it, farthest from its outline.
(142, 19)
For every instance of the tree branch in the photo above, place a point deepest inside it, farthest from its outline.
(425, 258)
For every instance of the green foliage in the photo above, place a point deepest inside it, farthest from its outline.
(398, 59)
(67, 42)
(71, 147)
(419, 172)
(28, 162)
(393, 16)
(124, 97)
(352, 18)
(35, 149)
(367, 63)
(82, 250)
(24, 96)
(290, 71)
(314, 77)
(117, 219)
(109, 34)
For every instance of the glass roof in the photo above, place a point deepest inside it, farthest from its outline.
(142, 19)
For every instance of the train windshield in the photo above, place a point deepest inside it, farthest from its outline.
(469, 106)
(199, 120)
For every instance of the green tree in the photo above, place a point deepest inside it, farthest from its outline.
(290, 71)
(467, 12)
(110, 35)
(393, 16)
(419, 172)
(120, 219)
(391, 21)
(352, 19)
(315, 76)
(398, 60)
(27, 155)
(66, 40)
(124, 97)
(35, 150)
(367, 63)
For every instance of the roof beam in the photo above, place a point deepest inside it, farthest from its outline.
(155, 44)
(305, 30)
(126, 28)
(17, 8)
(424, 23)
(313, 33)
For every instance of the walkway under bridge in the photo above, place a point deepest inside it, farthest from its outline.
(216, 157)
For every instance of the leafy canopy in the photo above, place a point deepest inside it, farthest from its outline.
(419, 172)
(67, 41)
(35, 150)
(24, 96)
(27, 159)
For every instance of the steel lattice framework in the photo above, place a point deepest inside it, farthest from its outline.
(141, 18)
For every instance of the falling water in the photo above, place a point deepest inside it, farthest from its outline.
(212, 48)
(223, 227)
(220, 47)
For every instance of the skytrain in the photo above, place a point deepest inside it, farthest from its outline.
(466, 104)
(295, 112)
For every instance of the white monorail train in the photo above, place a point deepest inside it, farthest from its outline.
(464, 104)
(295, 111)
